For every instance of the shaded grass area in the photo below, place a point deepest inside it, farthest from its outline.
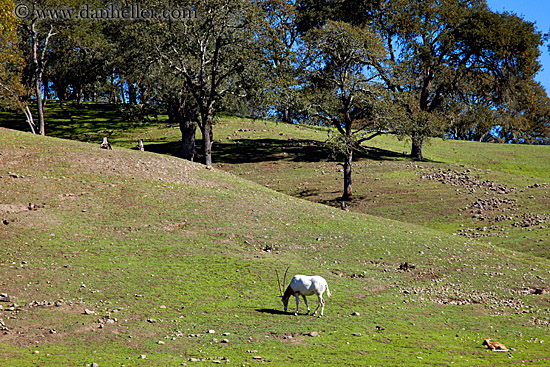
(168, 251)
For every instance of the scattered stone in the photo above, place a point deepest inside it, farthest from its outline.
(355, 314)
(313, 334)
(89, 312)
(356, 334)
(143, 356)
(94, 365)
(531, 220)
(225, 341)
(211, 331)
(151, 321)
(160, 342)
(4, 297)
(406, 266)
(454, 178)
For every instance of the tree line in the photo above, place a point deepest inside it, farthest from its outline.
(414, 68)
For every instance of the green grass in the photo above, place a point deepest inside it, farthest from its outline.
(171, 250)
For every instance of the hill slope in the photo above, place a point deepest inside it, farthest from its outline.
(125, 257)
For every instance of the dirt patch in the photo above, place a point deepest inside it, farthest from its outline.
(13, 208)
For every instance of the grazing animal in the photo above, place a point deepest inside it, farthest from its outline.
(495, 346)
(304, 285)
(140, 145)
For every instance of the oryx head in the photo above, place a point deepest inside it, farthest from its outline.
(285, 300)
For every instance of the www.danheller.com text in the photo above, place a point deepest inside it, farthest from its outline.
(112, 11)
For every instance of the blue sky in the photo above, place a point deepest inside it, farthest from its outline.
(537, 11)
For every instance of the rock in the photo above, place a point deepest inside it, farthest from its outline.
(495, 346)
(313, 334)
(89, 312)
(4, 297)
(211, 331)
(406, 266)
(225, 341)
(94, 365)
(143, 356)
(356, 334)
(355, 314)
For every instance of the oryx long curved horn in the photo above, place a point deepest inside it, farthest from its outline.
(284, 280)
(279, 282)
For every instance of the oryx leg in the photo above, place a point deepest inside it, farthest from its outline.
(305, 300)
(321, 304)
(297, 303)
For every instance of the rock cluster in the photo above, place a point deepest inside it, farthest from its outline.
(531, 220)
(465, 179)
(492, 204)
(454, 294)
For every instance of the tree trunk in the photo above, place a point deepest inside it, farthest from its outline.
(39, 105)
(188, 129)
(180, 112)
(80, 96)
(287, 114)
(30, 120)
(132, 94)
(416, 150)
(347, 196)
(207, 140)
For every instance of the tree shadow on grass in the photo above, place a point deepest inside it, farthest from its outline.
(240, 151)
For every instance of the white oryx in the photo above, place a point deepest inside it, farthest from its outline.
(304, 285)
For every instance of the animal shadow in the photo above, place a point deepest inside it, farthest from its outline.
(271, 311)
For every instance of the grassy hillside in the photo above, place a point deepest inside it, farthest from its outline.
(457, 190)
(131, 258)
